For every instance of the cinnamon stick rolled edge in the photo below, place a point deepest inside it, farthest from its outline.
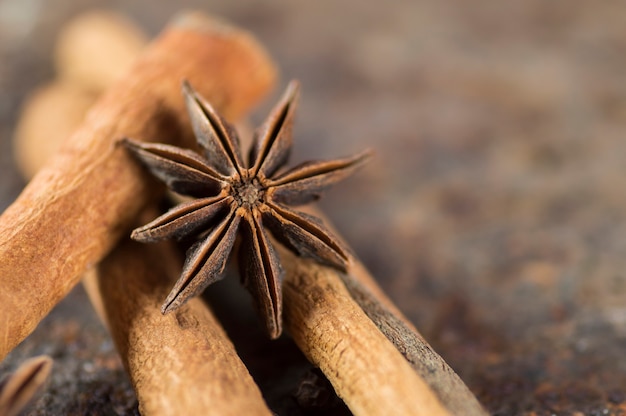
(348, 298)
(365, 369)
(76, 208)
(181, 363)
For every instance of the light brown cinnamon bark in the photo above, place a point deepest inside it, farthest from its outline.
(305, 278)
(365, 369)
(332, 306)
(441, 378)
(76, 208)
(181, 363)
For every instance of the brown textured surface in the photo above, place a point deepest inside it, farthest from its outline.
(494, 213)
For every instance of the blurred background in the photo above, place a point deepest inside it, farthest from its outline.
(494, 213)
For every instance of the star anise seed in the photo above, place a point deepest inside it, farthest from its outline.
(237, 199)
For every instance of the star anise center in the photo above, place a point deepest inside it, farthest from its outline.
(242, 199)
(248, 192)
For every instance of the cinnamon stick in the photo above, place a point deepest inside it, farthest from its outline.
(76, 208)
(446, 385)
(365, 369)
(92, 50)
(441, 378)
(367, 297)
(181, 363)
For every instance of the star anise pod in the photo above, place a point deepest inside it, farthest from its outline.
(241, 199)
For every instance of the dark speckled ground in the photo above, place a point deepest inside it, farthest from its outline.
(494, 214)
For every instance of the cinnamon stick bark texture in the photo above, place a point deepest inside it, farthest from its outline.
(75, 209)
(365, 369)
(444, 381)
(181, 363)
(363, 289)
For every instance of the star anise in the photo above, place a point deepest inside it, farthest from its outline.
(241, 199)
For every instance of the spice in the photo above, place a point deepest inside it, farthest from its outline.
(240, 199)
(182, 363)
(19, 388)
(330, 329)
(81, 202)
(335, 334)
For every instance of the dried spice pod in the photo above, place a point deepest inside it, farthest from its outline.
(453, 394)
(92, 51)
(78, 205)
(237, 198)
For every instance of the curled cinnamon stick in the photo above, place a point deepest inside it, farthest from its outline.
(180, 363)
(305, 278)
(92, 50)
(75, 209)
(367, 372)
(441, 378)
(334, 305)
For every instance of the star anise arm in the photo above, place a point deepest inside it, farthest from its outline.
(183, 220)
(306, 182)
(305, 235)
(273, 140)
(262, 273)
(18, 388)
(182, 170)
(217, 137)
(204, 263)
